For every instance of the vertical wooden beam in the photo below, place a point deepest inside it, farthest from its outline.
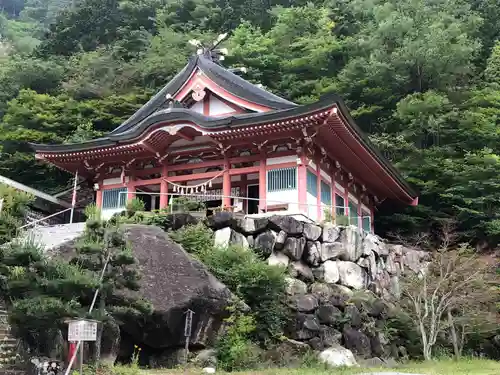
(302, 183)
(318, 191)
(98, 196)
(226, 183)
(262, 181)
(130, 186)
(164, 188)
(360, 212)
(243, 192)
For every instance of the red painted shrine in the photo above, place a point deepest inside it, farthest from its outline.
(213, 136)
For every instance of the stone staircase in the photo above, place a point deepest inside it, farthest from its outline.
(8, 343)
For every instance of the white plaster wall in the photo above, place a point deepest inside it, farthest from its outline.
(312, 207)
(282, 197)
(197, 107)
(217, 107)
(282, 159)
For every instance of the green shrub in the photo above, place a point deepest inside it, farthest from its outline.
(261, 286)
(134, 205)
(235, 350)
(185, 204)
(342, 220)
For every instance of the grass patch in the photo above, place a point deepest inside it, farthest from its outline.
(438, 367)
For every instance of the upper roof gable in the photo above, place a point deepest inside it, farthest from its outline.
(218, 78)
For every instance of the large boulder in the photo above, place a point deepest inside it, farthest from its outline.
(352, 275)
(301, 271)
(312, 253)
(338, 356)
(331, 233)
(287, 224)
(303, 327)
(311, 231)
(294, 247)
(351, 239)
(328, 314)
(227, 236)
(278, 259)
(306, 303)
(357, 341)
(265, 242)
(295, 286)
(110, 343)
(174, 282)
(280, 240)
(323, 292)
(251, 226)
(332, 250)
(221, 220)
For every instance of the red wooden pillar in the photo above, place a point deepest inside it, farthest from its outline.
(319, 209)
(130, 186)
(164, 188)
(98, 194)
(226, 184)
(333, 191)
(302, 183)
(262, 181)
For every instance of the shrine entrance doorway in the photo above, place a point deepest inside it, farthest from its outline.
(253, 196)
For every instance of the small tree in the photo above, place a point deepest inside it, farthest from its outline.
(455, 291)
(104, 251)
(13, 210)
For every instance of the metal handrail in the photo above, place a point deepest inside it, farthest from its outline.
(45, 218)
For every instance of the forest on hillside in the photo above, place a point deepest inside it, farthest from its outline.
(421, 77)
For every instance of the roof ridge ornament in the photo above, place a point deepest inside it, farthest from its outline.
(211, 51)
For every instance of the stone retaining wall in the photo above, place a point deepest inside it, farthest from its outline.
(323, 253)
(327, 264)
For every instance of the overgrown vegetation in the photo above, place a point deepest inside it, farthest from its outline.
(13, 205)
(260, 286)
(45, 291)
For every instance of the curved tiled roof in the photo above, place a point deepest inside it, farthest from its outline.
(221, 76)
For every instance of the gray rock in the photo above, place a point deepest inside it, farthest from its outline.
(294, 286)
(251, 226)
(278, 259)
(206, 358)
(340, 295)
(331, 233)
(280, 240)
(354, 316)
(328, 314)
(396, 249)
(227, 236)
(371, 242)
(265, 242)
(301, 271)
(352, 275)
(374, 362)
(294, 247)
(330, 336)
(411, 259)
(110, 343)
(351, 241)
(220, 220)
(305, 303)
(337, 356)
(288, 224)
(312, 232)
(395, 288)
(357, 341)
(331, 270)
(173, 281)
(332, 251)
(316, 343)
(312, 253)
(303, 327)
(321, 291)
(251, 241)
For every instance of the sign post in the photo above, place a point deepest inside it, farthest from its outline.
(82, 330)
(188, 326)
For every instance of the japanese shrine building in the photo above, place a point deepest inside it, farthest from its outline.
(214, 136)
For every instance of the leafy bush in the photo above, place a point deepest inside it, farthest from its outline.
(235, 350)
(12, 212)
(134, 205)
(261, 286)
(185, 204)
